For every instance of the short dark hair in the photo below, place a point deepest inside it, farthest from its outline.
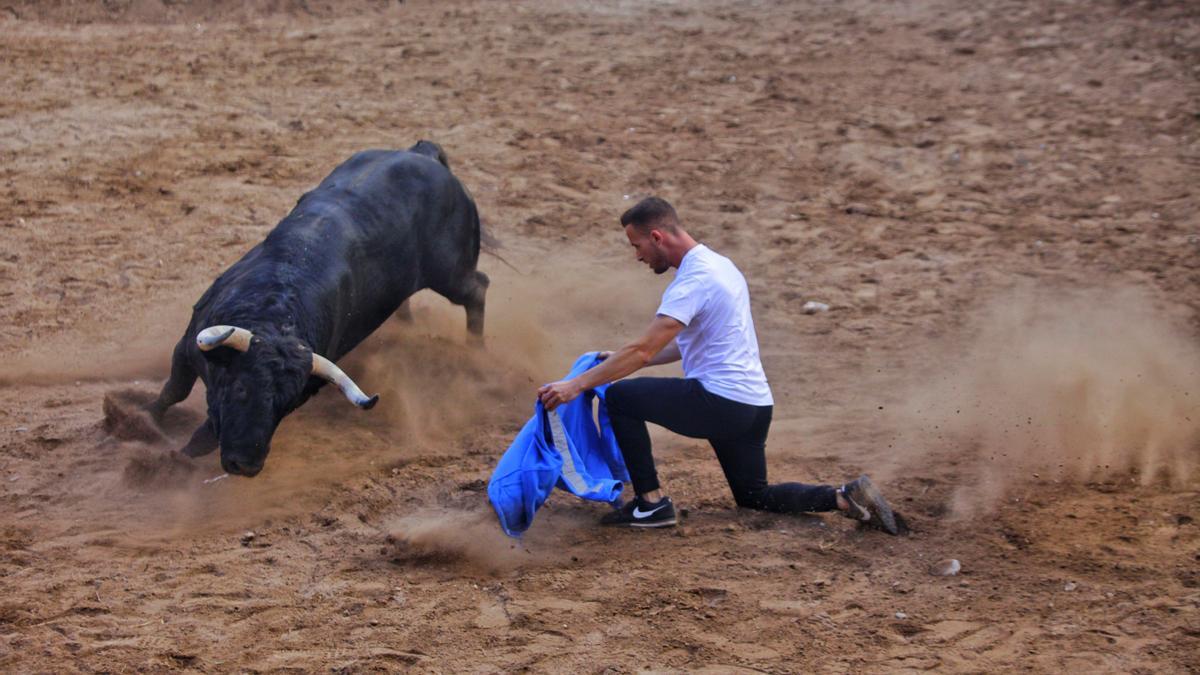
(651, 211)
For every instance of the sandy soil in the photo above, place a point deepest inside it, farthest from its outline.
(997, 199)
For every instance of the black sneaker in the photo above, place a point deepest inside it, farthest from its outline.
(868, 506)
(641, 513)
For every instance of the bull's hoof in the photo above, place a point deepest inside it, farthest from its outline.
(193, 451)
(148, 468)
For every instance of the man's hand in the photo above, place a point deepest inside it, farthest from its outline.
(557, 393)
(618, 364)
(564, 391)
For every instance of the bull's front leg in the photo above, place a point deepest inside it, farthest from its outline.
(177, 386)
(203, 441)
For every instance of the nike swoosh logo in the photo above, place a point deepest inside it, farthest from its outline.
(639, 513)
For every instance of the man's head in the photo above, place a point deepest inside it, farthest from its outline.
(653, 227)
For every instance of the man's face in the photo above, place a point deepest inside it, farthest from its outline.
(648, 247)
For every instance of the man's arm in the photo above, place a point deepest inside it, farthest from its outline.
(668, 354)
(634, 356)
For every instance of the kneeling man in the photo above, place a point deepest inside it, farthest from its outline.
(704, 319)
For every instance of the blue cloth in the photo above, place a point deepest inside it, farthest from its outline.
(579, 456)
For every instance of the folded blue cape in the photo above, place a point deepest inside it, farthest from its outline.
(564, 447)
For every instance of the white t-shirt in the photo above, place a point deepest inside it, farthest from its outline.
(718, 343)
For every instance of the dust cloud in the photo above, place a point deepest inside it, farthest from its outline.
(1062, 385)
(140, 348)
(466, 538)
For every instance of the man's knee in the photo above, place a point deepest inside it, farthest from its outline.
(617, 397)
(749, 495)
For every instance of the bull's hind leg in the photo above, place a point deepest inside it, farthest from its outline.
(177, 386)
(475, 304)
(471, 294)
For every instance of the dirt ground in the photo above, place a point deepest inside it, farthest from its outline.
(998, 200)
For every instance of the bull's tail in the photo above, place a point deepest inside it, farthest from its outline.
(431, 150)
(487, 243)
(491, 245)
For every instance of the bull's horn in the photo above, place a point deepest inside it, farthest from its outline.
(228, 336)
(326, 370)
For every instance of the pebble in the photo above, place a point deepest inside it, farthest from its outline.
(1070, 586)
(247, 538)
(946, 568)
(901, 615)
(814, 307)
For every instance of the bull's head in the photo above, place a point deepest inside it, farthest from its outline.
(255, 382)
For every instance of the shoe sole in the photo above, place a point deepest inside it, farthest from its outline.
(881, 513)
(664, 523)
(659, 523)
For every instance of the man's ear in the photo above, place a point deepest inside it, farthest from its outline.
(657, 236)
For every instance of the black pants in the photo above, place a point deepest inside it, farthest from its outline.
(737, 432)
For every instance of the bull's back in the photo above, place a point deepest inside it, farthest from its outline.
(394, 201)
(382, 226)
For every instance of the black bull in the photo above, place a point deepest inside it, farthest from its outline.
(382, 226)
